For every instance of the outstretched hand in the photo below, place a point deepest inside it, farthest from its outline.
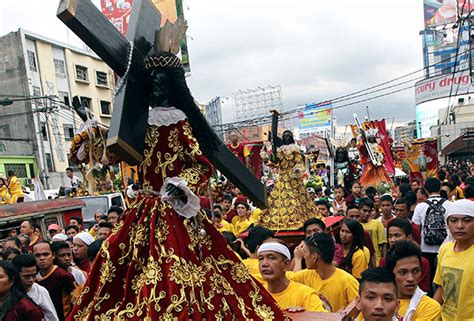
(176, 192)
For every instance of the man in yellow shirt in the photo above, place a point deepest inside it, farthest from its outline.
(378, 295)
(404, 259)
(257, 235)
(374, 228)
(323, 276)
(241, 222)
(274, 260)
(455, 270)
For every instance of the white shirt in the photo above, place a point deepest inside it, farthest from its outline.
(72, 182)
(41, 297)
(419, 219)
(78, 275)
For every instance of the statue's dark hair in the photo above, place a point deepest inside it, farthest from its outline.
(181, 98)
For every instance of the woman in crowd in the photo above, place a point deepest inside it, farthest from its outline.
(352, 240)
(421, 195)
(15, 305)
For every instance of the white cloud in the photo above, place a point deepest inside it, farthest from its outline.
(315, 49)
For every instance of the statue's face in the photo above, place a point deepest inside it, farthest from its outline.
(288, 138)
(159, 89)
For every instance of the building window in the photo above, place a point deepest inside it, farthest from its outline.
(2, 148)
(32, 60)
(101, 79)
(37, 93)
(86, 102)
(68, 132)
(5, 131)
(104, 107)
(44, 132)
(64, 96)
(81, 73)
(18, 169)
(49, 162)
(59, 68)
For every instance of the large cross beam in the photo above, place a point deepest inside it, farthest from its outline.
(129, 120)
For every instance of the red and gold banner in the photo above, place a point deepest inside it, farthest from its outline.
(422, 158)
(378, 127)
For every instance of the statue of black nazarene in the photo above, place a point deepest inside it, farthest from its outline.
(344, 169)
(165, 260)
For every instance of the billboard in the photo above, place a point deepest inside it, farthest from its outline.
(118, 13)
(442, 12)
(442, 86)
(315, 118)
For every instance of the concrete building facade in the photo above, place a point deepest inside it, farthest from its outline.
(35, 133)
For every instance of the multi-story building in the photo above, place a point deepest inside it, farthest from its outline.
(447, 56)
(35, 133)
(405, 133)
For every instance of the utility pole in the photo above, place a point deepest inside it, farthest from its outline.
(42, 160)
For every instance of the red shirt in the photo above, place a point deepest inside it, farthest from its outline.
(424, 282)
(238, 151)
(24, 310)
(85, 265)
(416, 233)
(59, 284)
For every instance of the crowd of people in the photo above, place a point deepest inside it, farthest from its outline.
(404, 254)
(418, 239)
(42, 278)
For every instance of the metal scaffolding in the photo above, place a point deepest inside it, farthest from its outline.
(254, 103)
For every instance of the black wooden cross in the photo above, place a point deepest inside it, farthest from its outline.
(129, 119)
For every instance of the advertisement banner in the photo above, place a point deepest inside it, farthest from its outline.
(442, 12)
(440, 87)
(315, 118)
(118, 13)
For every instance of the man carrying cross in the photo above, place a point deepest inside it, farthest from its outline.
(165, 259)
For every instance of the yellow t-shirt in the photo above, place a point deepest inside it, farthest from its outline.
(455, 273)
(359, 264)
(240, 227)
(226, 227)
(252, 265)
(340, 289)
(299, 295)
(377, 233)
(427, 309)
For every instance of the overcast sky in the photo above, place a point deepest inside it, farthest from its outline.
(314, 49)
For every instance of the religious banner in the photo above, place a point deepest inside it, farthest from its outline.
(399, 157)
(377, 129)
(422, 158)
